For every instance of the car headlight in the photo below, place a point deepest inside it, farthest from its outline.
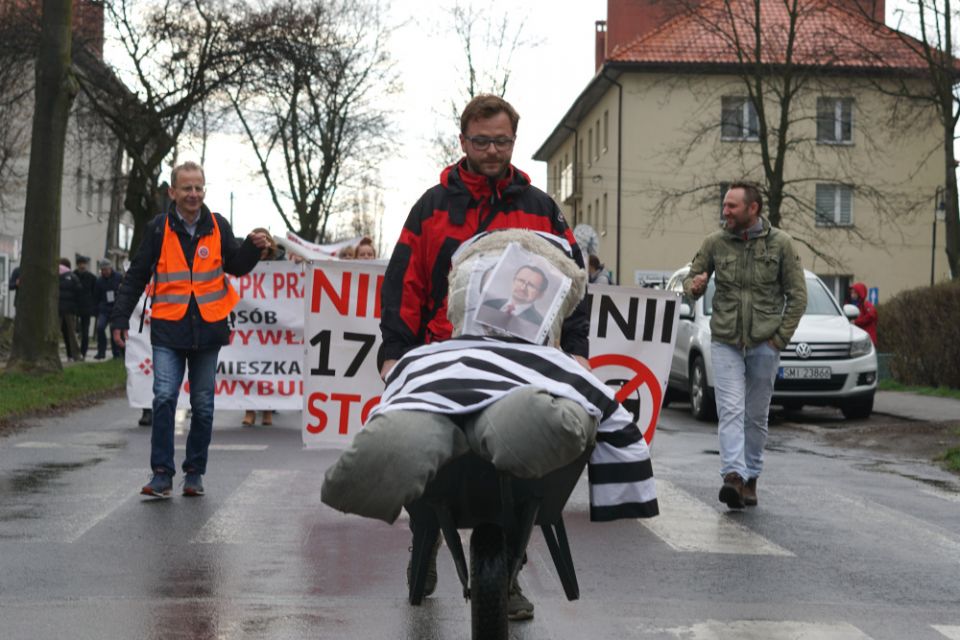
(860, 347)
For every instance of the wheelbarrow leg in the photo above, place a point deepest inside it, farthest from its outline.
(426, 530)
(452, 537)
(556, 536)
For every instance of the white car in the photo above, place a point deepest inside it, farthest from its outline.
(829, 361)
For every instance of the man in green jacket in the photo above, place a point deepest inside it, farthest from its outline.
(760, 295)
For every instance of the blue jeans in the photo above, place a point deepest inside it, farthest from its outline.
(168, 368)
(743, 381)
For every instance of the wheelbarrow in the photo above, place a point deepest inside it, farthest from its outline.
(502, 510)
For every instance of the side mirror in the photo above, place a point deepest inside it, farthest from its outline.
(849, 310)
(686, 313)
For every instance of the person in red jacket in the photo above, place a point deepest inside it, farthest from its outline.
(481, 192)
(867, 320)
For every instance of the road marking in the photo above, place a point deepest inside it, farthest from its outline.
(950, 632)
(687, 524)
(230, 447)
(270, 507)
(767, 630)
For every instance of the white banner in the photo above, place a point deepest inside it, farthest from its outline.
(262, 367)
(632, 332)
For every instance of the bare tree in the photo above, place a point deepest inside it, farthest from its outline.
(933, 46)
(176, 53)
(306, 104)
(19, 32)
(764, 46)
(488, 42)
(35, 339)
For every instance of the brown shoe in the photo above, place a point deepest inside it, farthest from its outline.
(249, 418)
(268, 418)
(750, 492)
(731, 493)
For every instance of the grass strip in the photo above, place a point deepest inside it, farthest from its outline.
(939, 392)
(951, 459)
(79, 383)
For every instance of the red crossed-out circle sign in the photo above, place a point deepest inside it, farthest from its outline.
(642, 376)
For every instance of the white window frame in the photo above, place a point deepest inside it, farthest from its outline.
(833, 196)
(842, 114)
(746, 114)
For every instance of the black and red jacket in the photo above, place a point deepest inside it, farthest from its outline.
(414, 293)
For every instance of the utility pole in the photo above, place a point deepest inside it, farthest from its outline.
(231, 208)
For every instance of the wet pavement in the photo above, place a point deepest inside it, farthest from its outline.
(838, 548)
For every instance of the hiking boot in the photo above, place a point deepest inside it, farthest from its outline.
(518, 607)
(731, 493)
(750, 492)
(430, 584)
(146, 418)
(249, 418)
(159, 486)
(193, 485)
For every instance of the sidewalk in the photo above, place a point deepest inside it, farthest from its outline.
(916, 407)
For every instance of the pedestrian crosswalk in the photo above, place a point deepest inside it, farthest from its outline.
(38, 507)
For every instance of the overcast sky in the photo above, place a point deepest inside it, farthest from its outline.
(545, 81)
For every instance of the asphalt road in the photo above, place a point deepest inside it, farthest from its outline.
(842, 546)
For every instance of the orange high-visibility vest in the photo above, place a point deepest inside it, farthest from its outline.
(175, 282)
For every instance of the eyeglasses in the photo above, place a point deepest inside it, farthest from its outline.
(527, 284)
(481, 143)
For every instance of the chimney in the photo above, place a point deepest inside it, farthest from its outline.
(88, 25)
(629, 19)
(601, 43)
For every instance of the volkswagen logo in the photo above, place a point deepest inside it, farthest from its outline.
(803, 351)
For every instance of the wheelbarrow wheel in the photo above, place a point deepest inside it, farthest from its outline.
(489, 577)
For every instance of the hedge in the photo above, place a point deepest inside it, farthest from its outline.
(921, 328)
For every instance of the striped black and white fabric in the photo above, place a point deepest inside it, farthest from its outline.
(466, 374)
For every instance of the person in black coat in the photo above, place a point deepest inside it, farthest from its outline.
(69, 302)
(104, 295)
(85, 307)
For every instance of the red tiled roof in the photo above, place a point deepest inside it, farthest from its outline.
(826, 35)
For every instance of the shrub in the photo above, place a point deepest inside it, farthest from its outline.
(920, 328)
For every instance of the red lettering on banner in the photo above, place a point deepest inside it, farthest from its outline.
(292, 390)
(264, 388)
(340, 301)
(316, 412)
(258, 279)
(293, 338)
(243, 283)
(226, 387)
(363, 284)
(246, 385)
(269, 337)
(294, 288)
(279, 281)
(376, 304)
(244, 335)
(368, 407)
(345, 400)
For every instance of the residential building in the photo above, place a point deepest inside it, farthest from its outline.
(645, 152)
(92, 220)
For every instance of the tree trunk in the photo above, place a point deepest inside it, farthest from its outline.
(952, 219)
(36, 331)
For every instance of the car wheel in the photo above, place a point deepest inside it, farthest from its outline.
(858, 408)
(703, 406)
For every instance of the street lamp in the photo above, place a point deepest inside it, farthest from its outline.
(939, 213)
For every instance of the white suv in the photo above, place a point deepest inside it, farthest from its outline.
(829, 361)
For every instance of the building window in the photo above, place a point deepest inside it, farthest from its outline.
(835, 120)
(566, 179)
(604, 223)
(78, 196)
(834, 205)
(589, 214)
(738, 119)
(606, 130)
(89, 194)
(596, 154)
(590, 147)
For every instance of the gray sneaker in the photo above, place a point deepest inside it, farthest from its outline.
(193, 485)
(159, 486)
(518, 607)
